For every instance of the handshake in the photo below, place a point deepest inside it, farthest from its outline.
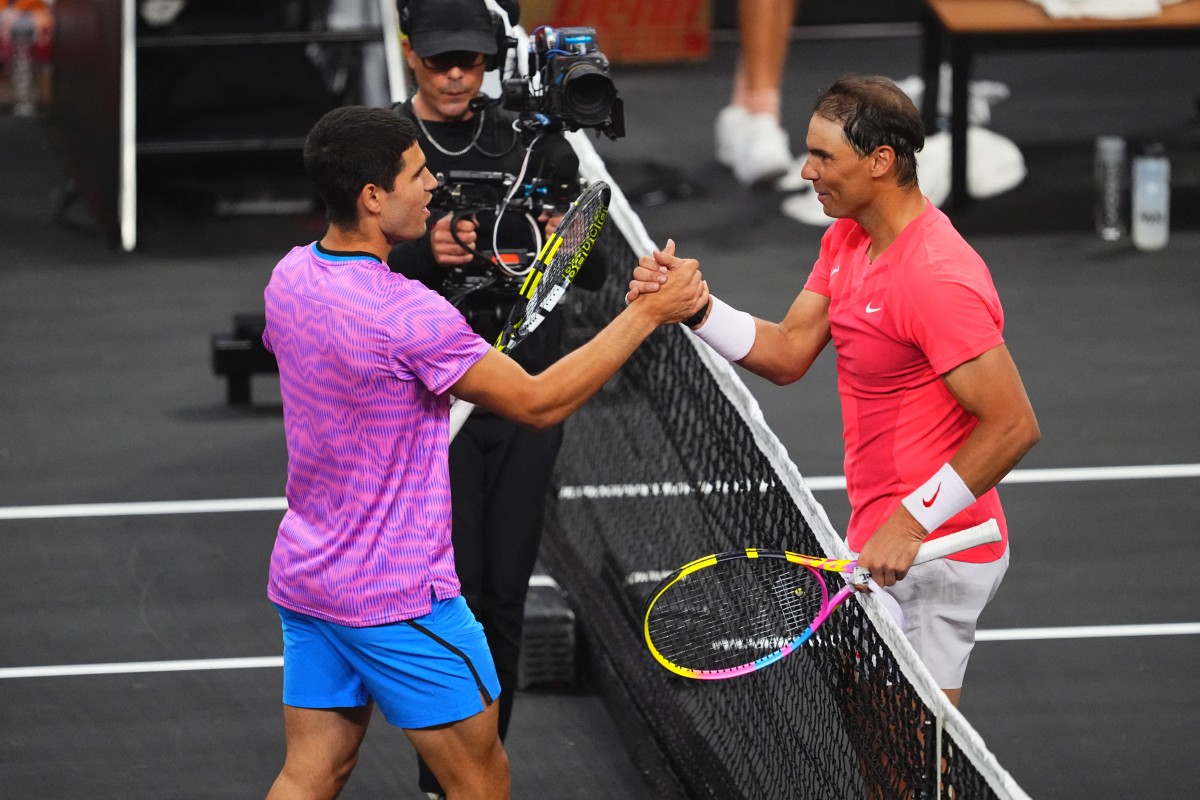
(670, 285)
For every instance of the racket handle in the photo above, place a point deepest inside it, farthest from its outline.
(955, 542)
(459, 411)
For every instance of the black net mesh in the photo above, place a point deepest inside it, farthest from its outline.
(660, 469)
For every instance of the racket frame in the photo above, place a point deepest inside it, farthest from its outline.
(537, 309)
(524, 320)
(938, 548)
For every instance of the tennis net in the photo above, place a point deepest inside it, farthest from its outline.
(671, 461)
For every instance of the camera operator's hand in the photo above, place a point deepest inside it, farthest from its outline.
(551, 222)
(446, 251)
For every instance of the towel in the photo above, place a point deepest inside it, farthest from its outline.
(1102, 9)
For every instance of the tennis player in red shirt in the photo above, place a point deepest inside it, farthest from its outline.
(933, 408)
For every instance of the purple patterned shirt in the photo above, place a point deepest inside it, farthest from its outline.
(365, 358)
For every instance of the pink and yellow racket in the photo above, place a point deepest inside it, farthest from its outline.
(730, 614)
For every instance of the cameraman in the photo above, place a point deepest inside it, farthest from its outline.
(499, 471)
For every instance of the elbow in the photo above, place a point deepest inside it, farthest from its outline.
(539, 416)
(1025, 435)
(1033, 434)
(780, 375)
(541, 422)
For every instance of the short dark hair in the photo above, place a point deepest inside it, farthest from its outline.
(873, 111)
(350, 147)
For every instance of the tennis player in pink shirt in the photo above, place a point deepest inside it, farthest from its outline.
(933, 408)
(362, 572)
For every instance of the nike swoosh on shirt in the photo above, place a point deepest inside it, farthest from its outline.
(930, 501)
(871, 310)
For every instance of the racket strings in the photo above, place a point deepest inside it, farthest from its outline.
(735, 612)
(575, 230)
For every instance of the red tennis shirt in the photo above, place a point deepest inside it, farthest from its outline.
(924, 307)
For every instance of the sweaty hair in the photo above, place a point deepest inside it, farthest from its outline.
(874, 112)
(350, 147)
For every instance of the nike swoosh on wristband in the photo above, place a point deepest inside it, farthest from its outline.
(871, 310)
(932, 500)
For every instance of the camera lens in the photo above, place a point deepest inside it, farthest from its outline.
(588, 94)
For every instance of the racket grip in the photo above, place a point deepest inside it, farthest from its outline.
(955, 542)
(459, 411)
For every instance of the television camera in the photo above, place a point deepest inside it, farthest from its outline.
(568, 87)
(568, 84)
(517, 211)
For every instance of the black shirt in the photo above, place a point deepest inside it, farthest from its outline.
(488, 143)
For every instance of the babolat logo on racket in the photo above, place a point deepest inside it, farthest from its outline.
(585, 246)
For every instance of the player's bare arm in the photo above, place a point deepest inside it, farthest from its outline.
(781, 352)
(990, 389)
(499, 384)
(784, 351)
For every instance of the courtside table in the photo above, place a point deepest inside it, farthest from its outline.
(957, 30)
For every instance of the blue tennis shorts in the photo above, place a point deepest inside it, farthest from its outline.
(422, 672)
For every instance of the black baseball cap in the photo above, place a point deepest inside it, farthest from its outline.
(443, 26)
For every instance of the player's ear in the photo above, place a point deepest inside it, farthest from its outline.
(410, 56)
(369, 198)
(882, 159)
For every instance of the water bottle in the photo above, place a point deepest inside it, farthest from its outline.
(1112, 182)
(24, 91)
(1151, 211)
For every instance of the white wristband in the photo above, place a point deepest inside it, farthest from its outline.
(728, 331)
(939, 499)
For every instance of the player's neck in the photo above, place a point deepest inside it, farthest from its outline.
(887, 218)
(343, 240)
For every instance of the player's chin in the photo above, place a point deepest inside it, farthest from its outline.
(831, 208)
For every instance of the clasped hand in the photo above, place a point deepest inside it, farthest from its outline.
(673, 285)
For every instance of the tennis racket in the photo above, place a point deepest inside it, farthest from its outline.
(550, 276)
(730, 614)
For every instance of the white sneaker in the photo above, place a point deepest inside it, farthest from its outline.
(728, 133)
(765, 152)
(754, 146)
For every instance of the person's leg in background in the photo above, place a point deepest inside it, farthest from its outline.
(516, 503)
(749, 137)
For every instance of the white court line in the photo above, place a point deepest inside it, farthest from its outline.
(141, 509)
(1087, 632)
(817, 484)
(192, 665)
(276, 662)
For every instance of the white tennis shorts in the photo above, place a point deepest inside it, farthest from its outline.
(941, 601)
